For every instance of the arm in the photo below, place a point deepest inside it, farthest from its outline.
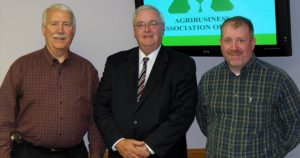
(181, 114)
(102, 108)
(289, 111)
(201, 109)
(9, 92)
(96, 144)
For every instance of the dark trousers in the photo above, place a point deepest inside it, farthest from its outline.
(27, 150)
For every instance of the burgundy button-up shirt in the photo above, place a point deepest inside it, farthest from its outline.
(51, 104)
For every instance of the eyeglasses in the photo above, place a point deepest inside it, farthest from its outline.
(150, 24)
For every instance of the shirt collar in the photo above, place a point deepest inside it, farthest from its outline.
(247, 67)
(152, 56)
(52, 60)
(250, 64)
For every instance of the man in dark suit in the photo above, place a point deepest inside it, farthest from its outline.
(144, 108)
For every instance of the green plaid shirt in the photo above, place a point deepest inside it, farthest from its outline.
(253, 115)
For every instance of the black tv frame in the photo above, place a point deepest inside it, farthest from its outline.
(284, 38)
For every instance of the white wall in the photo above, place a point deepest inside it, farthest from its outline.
(103, 28)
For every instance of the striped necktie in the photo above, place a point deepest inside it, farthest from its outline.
(142, 78)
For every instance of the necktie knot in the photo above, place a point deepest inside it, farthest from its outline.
(145, 60)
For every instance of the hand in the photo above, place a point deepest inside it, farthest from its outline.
(143, 150)
(130, 148)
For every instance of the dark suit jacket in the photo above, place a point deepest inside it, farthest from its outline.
(166, 108)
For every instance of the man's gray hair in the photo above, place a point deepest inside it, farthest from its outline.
(62, 7)
(147, 7)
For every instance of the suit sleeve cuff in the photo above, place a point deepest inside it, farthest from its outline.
(114, 145)
(150, 150)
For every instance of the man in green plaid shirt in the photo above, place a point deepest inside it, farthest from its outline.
(247, 108)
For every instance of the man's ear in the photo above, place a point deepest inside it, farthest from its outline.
(253, 42)
(43, 29)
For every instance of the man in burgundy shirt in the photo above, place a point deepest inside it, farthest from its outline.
(46, 97)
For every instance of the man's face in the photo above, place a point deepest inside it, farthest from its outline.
(148, 30)
(58, 30)
(237, 45)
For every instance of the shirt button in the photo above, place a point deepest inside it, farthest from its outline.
(135, 122)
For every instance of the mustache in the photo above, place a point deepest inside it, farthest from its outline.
(60, 36)
(235, 52)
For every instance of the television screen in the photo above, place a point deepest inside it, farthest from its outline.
(193, 26)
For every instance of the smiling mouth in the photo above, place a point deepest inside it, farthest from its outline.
(235, 53)
(59, 37)
(147, 35)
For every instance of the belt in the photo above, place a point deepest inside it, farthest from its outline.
(17, 138)
(52, 150)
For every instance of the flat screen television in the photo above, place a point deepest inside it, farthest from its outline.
(193, 26)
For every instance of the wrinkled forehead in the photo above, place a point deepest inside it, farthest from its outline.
(147, 14)
(56, 12)
(235, 25)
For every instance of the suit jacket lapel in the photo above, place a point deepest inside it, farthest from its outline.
(132, 74)
(157, 71)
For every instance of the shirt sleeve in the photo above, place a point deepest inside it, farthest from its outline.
(201, 114)
(9, 94)
(96, 145)
(150, 150)
(289, 111)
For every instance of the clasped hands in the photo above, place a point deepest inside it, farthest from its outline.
(130, 148)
